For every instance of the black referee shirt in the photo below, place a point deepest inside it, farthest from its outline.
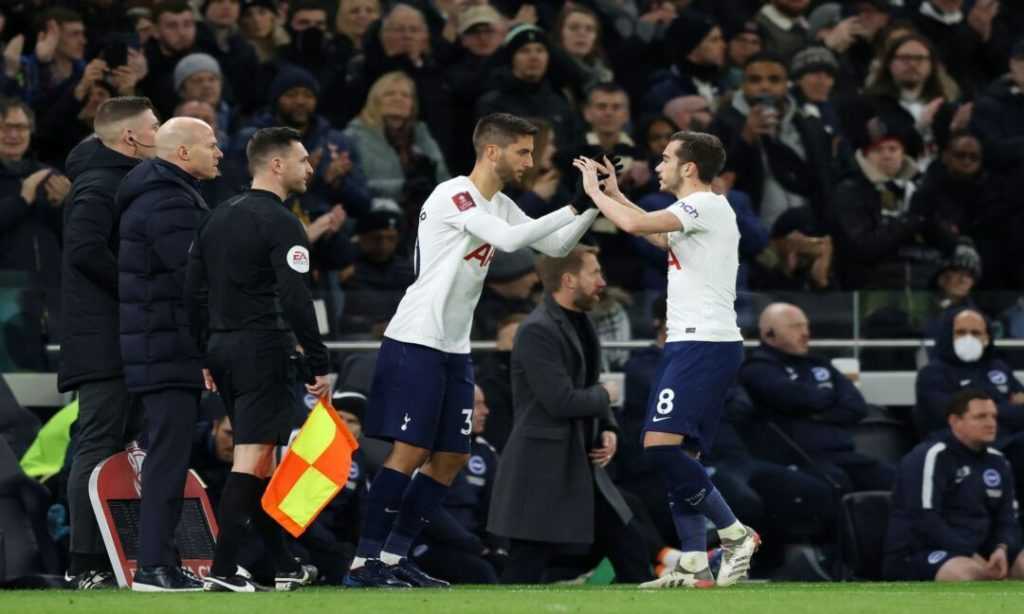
(248, 269)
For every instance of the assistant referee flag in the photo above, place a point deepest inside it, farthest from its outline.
(314, 469)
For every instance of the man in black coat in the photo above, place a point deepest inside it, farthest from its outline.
(998, 116)
(90, 346)
(552, 492)
(161, 209)
(810, 400)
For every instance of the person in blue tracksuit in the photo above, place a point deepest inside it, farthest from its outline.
(810, 400)
(455, 545)
(954, 513)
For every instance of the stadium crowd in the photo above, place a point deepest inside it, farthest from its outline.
(874, 146)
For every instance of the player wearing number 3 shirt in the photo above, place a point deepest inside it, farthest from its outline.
(704, 348)
(422, 392)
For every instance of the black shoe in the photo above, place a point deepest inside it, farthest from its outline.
(290, 580)
(164, 579)
(374, 574)
(233, 584)
(91, 580)
(411, 573)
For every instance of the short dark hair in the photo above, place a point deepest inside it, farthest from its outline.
(606, 88)
(551, 269)
(703, 149)
(306, 5)
(269, 141)
(117, 109)
(500, 129)
(60, 14)
(171, 7)
(9, 104)
(768, 57)
(962, 400)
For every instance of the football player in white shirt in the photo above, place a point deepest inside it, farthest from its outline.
(704, 349)
(422, 393)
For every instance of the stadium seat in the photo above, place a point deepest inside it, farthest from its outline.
(882, 436)
(865, 520)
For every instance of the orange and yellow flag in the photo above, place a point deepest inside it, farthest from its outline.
(313, 470)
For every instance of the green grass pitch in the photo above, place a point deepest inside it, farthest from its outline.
(981, 598)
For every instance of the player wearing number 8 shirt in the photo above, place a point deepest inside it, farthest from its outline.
(422, 392)
(704, 348)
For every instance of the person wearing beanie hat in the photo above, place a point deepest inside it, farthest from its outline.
(744, 42)
(522, 87)
(197, 76)
(814, 71)
(695, 49)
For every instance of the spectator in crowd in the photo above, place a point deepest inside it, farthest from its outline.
(560, 404)
(777, 154)
(850, 31)
(974, 207)
(577, 32)
(32, 199)
(695, 49)
(352, 20)
(213, 447)
(494, 376)
(965, 358)
(542, 189)
(953, 285)
(522, 85)
(810, 400)
(998, 116)
(90, 346)
(784, 26)
(311, 47)
(875, 229)
(954, 512)
(58, 60)
(338, 175)
(260, 25)
(813, 71)
(455, 546)
(220, 35)
(511, 281)
(744, 42)
(57, 135)
(971, 45)
(798, 256)
(378, 276)
(402, 42)
(607, 114)
(161, 209)
(611, 321)
(481, 30)
(401, 159)
(198, 77)
(912, 92)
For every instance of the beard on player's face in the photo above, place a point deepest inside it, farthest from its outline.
(506, 173)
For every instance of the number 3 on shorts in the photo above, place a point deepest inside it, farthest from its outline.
(469, 422)
(665, 402)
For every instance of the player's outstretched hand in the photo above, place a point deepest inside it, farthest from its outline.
(609, 177)
(588, 169)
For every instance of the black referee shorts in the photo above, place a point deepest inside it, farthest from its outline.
(254, 378)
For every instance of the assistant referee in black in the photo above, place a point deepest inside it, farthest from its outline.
(249, 303)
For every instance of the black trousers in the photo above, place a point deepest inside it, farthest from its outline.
(170, 419)
(455, 565)
(621, 543)
(103, 416)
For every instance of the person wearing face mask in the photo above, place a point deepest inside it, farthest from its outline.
(965, 358)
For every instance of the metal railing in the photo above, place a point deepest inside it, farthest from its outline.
(638, 344)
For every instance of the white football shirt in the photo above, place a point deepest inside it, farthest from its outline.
(451, 265)
(702, 262)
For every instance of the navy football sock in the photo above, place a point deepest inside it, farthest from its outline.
(688, 483)
(690, 526)
(422, 499)
(382, 505)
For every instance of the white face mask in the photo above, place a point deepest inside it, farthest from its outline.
(968, 348)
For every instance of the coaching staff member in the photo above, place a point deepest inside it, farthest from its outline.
(247, 294)
(552, 490)
(161, 209)
(90, 349)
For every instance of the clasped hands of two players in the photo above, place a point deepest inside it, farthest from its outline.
(596, 178)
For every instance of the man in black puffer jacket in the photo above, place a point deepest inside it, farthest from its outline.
(90, 349)
(161, 209)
